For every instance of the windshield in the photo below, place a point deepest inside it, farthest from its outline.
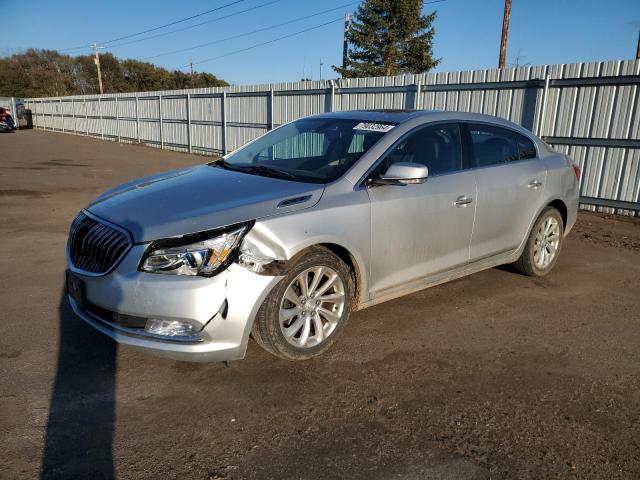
(316, 150)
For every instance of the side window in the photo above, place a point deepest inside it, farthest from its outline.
(492, 145)
(526, 148)
(438, 147)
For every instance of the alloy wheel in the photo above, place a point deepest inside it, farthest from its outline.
(546, 243)
(312, 306)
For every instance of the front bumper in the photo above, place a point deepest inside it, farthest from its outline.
(222, 307)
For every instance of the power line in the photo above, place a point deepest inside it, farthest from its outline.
(280, 38)
(175, 22)
(266, 43)
(161, 26)
(182, 29)
(64, 50)
(263, 29)
(215, 20)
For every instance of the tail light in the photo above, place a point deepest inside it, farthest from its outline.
(576, 170)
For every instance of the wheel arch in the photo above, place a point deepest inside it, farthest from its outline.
(347, 255)
(556, 202)
(559, 205)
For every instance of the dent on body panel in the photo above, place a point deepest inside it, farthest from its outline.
(344, 220)
(262, 243)
(281, 238)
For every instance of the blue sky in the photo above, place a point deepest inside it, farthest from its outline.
(467, 33)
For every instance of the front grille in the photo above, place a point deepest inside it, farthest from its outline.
(95, 247)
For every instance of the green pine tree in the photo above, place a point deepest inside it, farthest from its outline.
(389, 37)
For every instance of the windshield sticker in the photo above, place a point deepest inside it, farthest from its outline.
(374, 127)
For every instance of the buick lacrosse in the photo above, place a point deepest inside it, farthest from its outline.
(282, 239)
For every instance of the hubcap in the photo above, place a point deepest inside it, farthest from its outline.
(547, 242)
(312, 306)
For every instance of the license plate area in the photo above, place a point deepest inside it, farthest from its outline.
(76, 289)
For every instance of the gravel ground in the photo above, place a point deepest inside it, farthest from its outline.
(492, 376)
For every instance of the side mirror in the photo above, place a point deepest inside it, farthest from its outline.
(402, 173)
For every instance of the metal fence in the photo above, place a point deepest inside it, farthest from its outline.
(590, 111)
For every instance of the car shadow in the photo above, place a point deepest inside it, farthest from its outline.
(78, 439)
(508, 268)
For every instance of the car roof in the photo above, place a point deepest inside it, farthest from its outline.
(401, 116)
(394, 116)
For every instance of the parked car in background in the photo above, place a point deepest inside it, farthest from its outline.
(7, 119)
(282, 239)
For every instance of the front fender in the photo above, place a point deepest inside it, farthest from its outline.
(264, 244)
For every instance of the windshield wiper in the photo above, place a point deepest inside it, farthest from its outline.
(222, 164)
(264, 171)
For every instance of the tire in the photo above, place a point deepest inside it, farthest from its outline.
(287, 322)
(545, 239)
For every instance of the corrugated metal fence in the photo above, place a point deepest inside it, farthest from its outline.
(589, 110)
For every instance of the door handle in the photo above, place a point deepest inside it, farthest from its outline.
(534, 184)
(462, 201)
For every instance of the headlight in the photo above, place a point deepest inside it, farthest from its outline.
(204, 257)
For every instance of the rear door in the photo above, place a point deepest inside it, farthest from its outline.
(511, 181)
(425, 228)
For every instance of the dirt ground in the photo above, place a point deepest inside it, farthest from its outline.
(493, 376)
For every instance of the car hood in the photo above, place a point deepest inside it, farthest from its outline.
(199, 198)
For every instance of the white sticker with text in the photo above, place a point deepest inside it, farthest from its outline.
(374, 127)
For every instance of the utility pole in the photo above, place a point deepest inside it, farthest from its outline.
(345, 47)
(321, 64)
(191, 68)
(505, 34)
(97, 62)
(638, 47)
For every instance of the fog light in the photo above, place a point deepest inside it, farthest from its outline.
(171, 328)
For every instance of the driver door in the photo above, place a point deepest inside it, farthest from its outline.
(421, 229)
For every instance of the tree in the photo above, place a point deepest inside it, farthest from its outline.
(36, 72)
(389, 37)
(47, 73)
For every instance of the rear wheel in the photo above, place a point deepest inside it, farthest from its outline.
(305, 313)
(543, 246)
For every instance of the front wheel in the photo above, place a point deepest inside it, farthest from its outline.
(542, 249)
(305, 313)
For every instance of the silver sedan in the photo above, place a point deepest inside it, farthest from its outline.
(282, 239)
